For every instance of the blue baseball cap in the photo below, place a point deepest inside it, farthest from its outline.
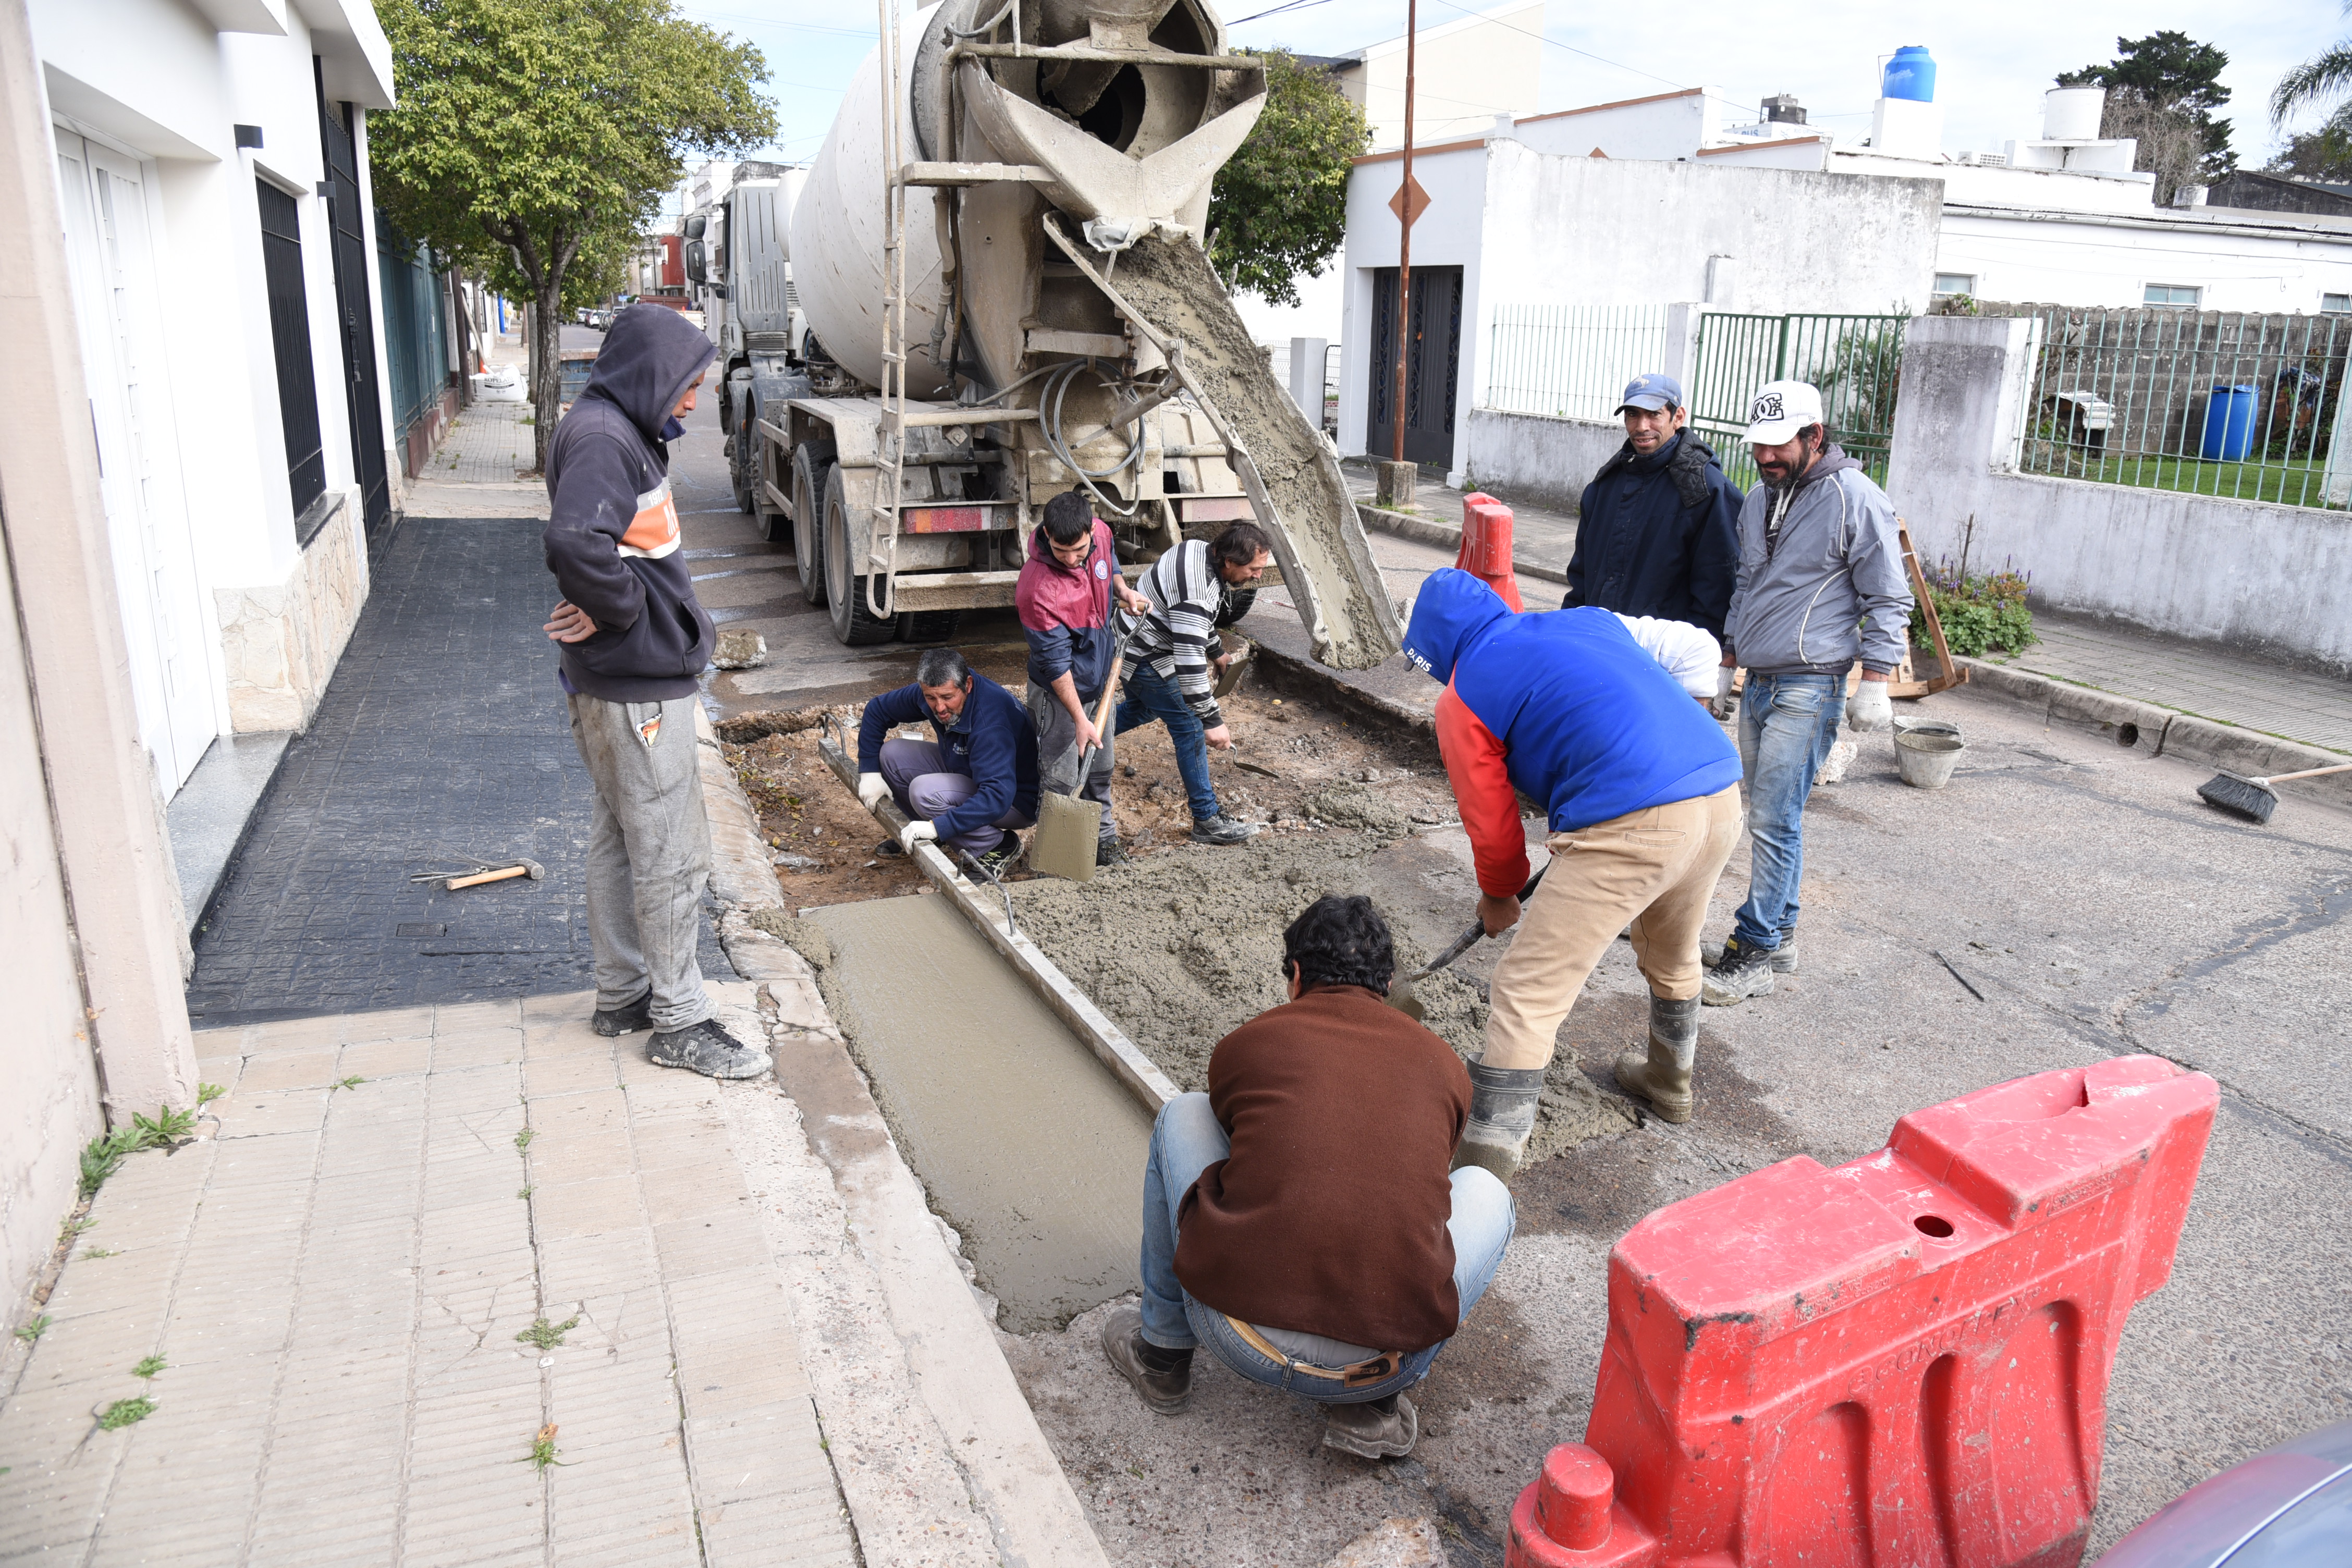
(1652, 392)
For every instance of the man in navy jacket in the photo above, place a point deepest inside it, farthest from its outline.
(1657, 532)
(633, 639)
(974, 783)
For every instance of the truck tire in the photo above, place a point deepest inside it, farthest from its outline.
(812, 466)
(853, 626)
(742, 442)
(1237, 605)
(928, 625)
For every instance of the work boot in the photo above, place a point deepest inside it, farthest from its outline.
(889, 847)
(707, 1049)
(999, 860)
(1661, 1075)
(1109, 852)
(1502, 1117)
(1784, 957)
(626, 1020)
(1745, 972)
(1376, 1429)
(1221, 829)
(1162, 1377)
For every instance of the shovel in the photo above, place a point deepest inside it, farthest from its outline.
(1401, 994)
(1068, 827)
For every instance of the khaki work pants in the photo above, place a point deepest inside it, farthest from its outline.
(1656, 868)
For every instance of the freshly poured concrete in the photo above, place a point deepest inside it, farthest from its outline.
(1024, 1143)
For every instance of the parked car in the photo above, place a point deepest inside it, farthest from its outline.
(2288, 1508)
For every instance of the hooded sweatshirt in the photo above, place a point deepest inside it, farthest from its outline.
(1065, 614)
(1821, 582)
(1564, 707)
(611, 534)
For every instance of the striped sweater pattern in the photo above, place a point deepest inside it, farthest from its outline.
(1177, 634)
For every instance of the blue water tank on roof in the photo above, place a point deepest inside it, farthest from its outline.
(1910, 74)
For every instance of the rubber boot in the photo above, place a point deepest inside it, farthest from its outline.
(1661, 1074)
(1502, 1116)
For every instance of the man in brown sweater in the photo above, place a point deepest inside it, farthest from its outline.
(1298, 1218)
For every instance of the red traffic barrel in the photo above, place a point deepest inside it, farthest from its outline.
(1486, 552)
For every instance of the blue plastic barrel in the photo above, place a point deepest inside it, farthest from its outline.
(2229, 424)
(1910, 74)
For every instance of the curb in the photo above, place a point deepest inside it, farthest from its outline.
(1447, 536)
(2159, 732)
(1291, 676)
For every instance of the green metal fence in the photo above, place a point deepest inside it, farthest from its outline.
(2215, 403)
(1572, 362)
(1855, 360)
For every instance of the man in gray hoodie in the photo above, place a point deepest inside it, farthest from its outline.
(1821, 586)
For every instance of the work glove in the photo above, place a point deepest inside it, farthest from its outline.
(870, 790)
(1724, 676)
(915, 833)
(1870, 708)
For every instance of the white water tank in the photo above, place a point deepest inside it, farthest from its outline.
(2073, 113)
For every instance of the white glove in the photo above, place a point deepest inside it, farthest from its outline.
(1870, 708)
(870, 790)
(915, 833)
(1724, 676)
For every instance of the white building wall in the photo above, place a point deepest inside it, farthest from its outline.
(1665, 126)
(1466, 73)
(2258, 264)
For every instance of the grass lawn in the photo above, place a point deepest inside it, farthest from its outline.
(2294, 481)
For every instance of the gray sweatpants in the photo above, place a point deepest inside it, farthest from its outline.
(648, 854)
(1057, 755)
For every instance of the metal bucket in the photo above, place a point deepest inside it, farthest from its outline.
(1924, 761)
(1906, 726)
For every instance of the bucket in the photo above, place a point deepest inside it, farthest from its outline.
(1927, 727)
(1926, 761)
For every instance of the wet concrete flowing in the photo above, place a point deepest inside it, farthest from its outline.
(1024, 1143)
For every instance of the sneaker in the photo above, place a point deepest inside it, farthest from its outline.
(1743, 973)
(1380, 1429)
(1108, 852)
(1784, 957)
(888, 848)
(613, 1022)
(1001, 858)
(1124, 1346)
(1221, 829)
(707, 1049)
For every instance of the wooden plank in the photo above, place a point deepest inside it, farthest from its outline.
(1100, 345)
(936, 173)
(984, 908)
(1947, 678)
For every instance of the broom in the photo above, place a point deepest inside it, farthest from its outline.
(2254, 799)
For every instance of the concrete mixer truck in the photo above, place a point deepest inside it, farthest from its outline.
(998, 256)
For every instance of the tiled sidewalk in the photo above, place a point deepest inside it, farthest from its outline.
(336, 1281)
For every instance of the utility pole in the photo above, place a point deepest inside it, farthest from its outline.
(1396, 476)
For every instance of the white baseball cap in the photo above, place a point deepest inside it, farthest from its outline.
(1779, 409)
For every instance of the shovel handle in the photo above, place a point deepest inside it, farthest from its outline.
(454, 883)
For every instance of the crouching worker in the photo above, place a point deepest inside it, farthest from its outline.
(1298, 1218)
(1578, 710)
(1065, 597)
(970, 787)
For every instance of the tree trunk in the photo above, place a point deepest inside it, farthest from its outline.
(546, 364)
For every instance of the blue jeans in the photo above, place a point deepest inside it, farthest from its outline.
(1184, 1140)
(1150, 696)
(1787, 725)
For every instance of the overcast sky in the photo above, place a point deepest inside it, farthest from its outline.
(1994, 59)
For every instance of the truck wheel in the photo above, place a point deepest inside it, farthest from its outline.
(743, 443)
(811, 465)
(1237, 605)
(928, 625)
(853, 626)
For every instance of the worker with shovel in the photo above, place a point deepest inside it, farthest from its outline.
(1065, 597)
(1578, 710)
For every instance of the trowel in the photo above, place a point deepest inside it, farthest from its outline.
(1068, 824)
(1401, 994)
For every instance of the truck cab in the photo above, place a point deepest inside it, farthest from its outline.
(736, 265)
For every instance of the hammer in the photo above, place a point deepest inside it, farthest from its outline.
(531, 869)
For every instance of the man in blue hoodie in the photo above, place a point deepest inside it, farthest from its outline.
(975, 783)
(1577, 709)
(633, 639)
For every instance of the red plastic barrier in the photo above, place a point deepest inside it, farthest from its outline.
(1486, 552)
(1903, 1360)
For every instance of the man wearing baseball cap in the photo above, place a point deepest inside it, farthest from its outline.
(1657, 532)
(1821, 587)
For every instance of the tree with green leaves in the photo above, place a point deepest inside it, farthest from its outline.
(533, 139)
(1279, 208)
(2326, 75)
(2162, 91)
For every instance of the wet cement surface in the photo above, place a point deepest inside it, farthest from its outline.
(1024, 1143)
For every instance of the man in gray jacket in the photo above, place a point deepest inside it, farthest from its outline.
(1821, 586)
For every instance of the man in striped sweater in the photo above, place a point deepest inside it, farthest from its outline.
(1170, 674)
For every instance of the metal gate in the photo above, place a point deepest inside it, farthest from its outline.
(362, 400)
(1855, 360)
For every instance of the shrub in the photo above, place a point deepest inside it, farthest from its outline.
(1979, 612)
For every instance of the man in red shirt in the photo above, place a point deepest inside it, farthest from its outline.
(1298, 1218)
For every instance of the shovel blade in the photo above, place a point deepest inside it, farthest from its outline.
(1402, 998)
(1064, 844)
